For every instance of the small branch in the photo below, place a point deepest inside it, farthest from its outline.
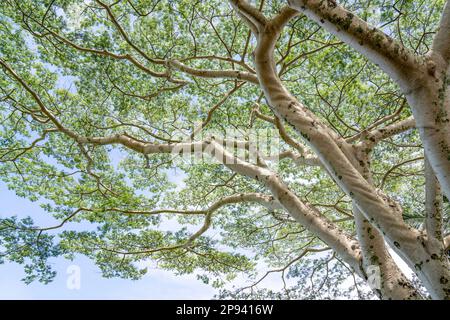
(227, 74)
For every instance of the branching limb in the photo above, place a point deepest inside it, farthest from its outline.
(373, 137)
(213, 109)
(307, 215)
(267, 201)
(284, 268)
(447, 243)
(378, 123)
(251, 15)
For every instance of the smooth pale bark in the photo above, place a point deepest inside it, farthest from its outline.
(373, 43)
(430, 103)
(423, 79)
(231, 74)
(394, 284)
(370, 139)
(433, 204)
(334, 155)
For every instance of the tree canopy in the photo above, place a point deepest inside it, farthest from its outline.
(133, 123)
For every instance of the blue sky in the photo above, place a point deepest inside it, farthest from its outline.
(157, 284)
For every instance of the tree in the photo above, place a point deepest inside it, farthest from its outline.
(102, 101)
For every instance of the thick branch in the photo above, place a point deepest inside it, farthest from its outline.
(441, 42)
(377, 46)
(306, 215)
(371, 138)
(433, 204)
(340, 163)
